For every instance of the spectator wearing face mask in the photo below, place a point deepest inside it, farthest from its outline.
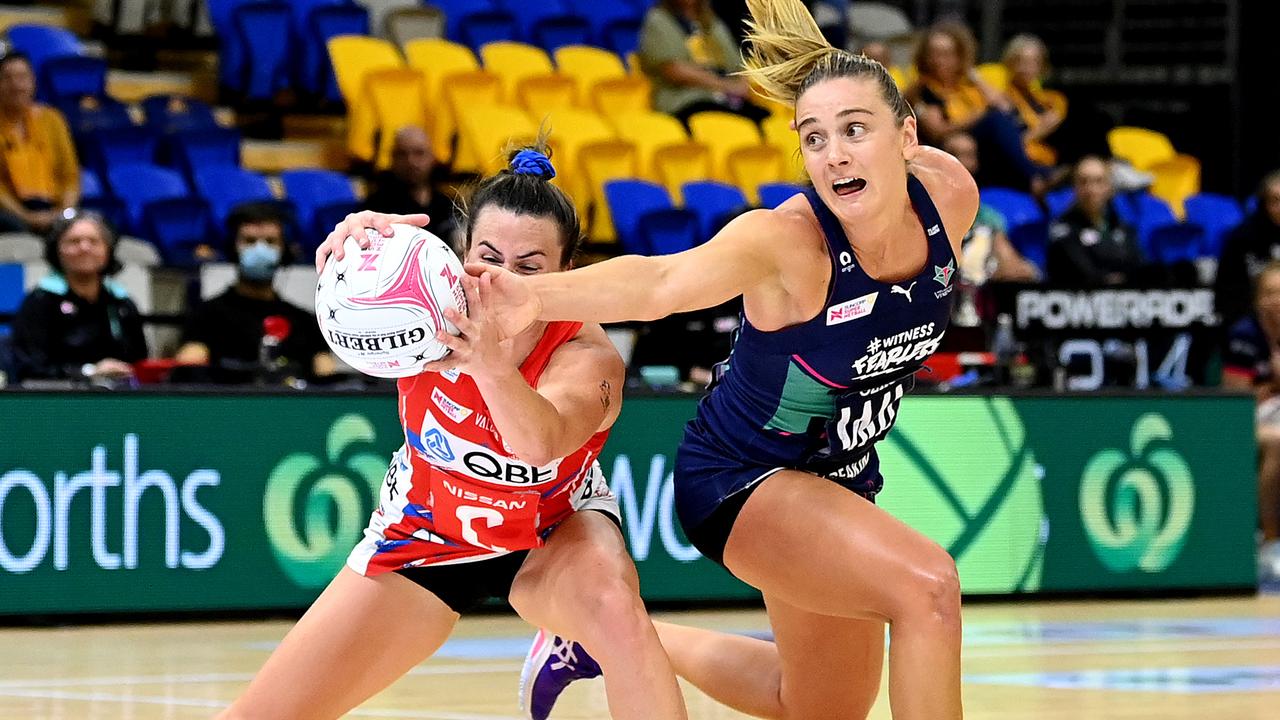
(225, 334)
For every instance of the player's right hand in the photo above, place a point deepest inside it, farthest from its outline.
(354, 226)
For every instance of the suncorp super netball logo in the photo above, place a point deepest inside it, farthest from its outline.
(314, 508)
(1137, 508)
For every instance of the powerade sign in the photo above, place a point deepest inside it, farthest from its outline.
(143, 502)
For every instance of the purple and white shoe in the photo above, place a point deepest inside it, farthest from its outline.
(552, 663)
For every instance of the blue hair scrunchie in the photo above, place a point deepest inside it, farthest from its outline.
(532, 162)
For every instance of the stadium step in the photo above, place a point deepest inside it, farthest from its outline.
(274, 156)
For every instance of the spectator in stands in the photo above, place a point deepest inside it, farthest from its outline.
(987, 250)
(1049, 133)
(688, 53)
(409, 186)
(228, 334)
(948, 96)
(1250, 362)
(1247, 250)
(78, 323)
(39, 174)
(1088, 245)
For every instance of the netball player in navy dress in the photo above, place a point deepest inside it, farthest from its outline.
(846, 291)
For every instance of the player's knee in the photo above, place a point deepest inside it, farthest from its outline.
(613, 615)
(934, 592)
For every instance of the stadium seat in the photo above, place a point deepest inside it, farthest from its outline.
(172, 113)
(554, 33)
(713, 203)
(43, 42)
(650, 131)
(514, 62)
(994, 74)
(310, 189)
(315, 70)
(1017, 207)
(477, 30)
(1059, 201)
(89, 113)
(456, 11)
(774, 194)
(177, 226)
(208, 147)
(438, 59)
(778, 133)
(677, 165)
(1217, 215)
(750, 167)
(620, 98)
(231, 59)
(587, 66)
(629, 200)
(529, 15)
(571, 129)
(604, 16)
(94, 197)
(223, 188)
(722, 133)
(404, 25)
(1176, 243)
(545, 94)
(136, 185)
(622, 36)
(489, 130)
(599, 163)
(473, 92)
(1032, 241)
(12, 294)
(323, 219)
(396, 98)
(104, 149)
(1144, 212)
(380, 12)
(72, 76)
(265, 33)
(1176, 180)
(667, 232)
(353, 57)
(1141, 147)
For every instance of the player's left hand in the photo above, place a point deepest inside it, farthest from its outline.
(480, 350)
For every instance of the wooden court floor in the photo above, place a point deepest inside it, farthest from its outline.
(1204, 659)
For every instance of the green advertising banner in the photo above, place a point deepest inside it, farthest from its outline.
(137, 503)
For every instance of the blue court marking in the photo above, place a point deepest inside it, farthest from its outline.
(501, 648)
(1181, 680)
(984, 634)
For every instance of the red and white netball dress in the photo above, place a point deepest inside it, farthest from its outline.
(455, 492)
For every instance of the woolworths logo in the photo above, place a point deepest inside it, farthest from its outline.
(1137, 507)
(315, 507)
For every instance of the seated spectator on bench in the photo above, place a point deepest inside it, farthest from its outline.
(1089, 246)
(78, 323)
(39, 173)
(1247, 250)
(409, 187)
(227, 334)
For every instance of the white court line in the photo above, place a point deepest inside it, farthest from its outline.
(194, 702)
(230, 677)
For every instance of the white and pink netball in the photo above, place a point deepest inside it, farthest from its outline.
(379, 308)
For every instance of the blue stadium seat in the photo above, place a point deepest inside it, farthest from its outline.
(1032, 241)
(628, 200)
(173, 113)
(132, 145)
(177, 226)
(529, 14)
(42, 42)
(602, 16)
(1180, 242)
(1218, 215)
(12, 293)
(456, 11)
(136, 185)
(264, 29)
(223, 188)
(315, 71)
(231, 50)
(93, 196)
(713, 203)
(88, 114)
(323, 218)
(90, 185)
(211, 147)
(554, 33)
(72, 76)
(774, 194)
(667, 232)
(622, 37)
(1144, 212)
(480, 29)
(1018, 208)
(1058, 201)
(310, 190)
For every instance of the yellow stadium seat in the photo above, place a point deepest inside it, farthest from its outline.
(778, 134)
(994, 74)
(750, 166)
(513, 62)
(396, 97)
(462, 93)
(491, 130)
(1176, 180)
(546, 93)
(650, 131)
(899, 77)
(438, 59)
(723, 133)
(572, 129)
(587, 66)
(598, 163)
(622, 97)
(680, 164)
(353, 57)
(1143, 148)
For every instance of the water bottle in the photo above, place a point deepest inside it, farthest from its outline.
(271, 363)
(1005, 347)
